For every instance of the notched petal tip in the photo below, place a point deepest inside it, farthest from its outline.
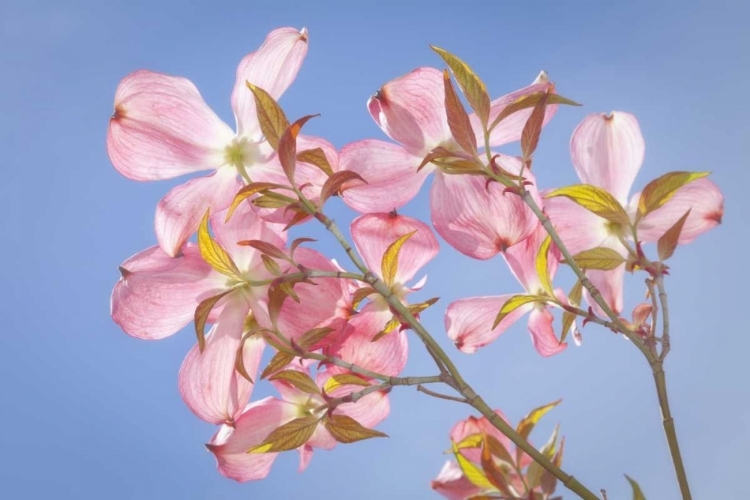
(124, 272)
(118, 114)
(716, 216)
(303, 34)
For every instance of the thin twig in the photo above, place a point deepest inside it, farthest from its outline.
(438, 395)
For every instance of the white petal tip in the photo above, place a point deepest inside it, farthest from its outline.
(543, 77)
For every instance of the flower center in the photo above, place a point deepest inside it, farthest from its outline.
(241, 153)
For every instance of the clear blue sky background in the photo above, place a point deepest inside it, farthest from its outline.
(87, 412)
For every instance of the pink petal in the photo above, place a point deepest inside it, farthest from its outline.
(468, 322)
(208, 381)
(320, 304)
(374, 233)
(452, 484)
(472, 426)
(387, 355)
(579, 228)
(510, 129)
(158, 294)
(521, 258)
(411, 110)
(477, 221)
(305, 455)
(610, 285)
(607, 151)
(179, 213)
(162, 128)
(230, 445)
(273, 68)
(543, 333)
(706, 204)
(368, 411)
(390, 172)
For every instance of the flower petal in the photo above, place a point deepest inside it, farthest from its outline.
(510, 129)
(579, 228)
(179, 213)
(543, 333)
(390, 172)
(386, 355)
(610, 285)
(230, 445)
(521, 259)
(706, 204)
(208, 381)
(374, 233)
(468, 322)
(158, 294)
(162, 128)
(411, 110)
(273, 68)
(452, 484)
(480, 221)
(607, 151)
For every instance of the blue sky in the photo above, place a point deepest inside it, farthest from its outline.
(88, 412)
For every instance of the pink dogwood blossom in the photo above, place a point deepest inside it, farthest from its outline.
(607, 151)
(476, 220)
(162, 128)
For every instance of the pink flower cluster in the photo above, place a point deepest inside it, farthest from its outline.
(233, 277)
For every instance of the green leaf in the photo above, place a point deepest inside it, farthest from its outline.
(278, 361)
(637, 492)
(389, 264)
(288, 437)
(514, 303)
(201, 316)
(471, 85)
(342, 379)
(536, 472)
(361, 294)
(345, 429)
(596, 200)
(669, 240)
(316, 157)
(527, 423)
(542, 266)
(213, 253)
(313, 337)
(458, 120)
(265, 248)
(300, 380)
(494, 474)
(473, 473)
(273, 121)
(660, 190)
(601, 258)
(287, 151)
(574, 298)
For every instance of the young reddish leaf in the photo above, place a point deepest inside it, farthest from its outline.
(248, 191)
(337, 381)
(273, 121)
(361, 294)
(668, 241)
(347, 430)
(201, 316)
(471, 85)
(532, 129)
(514, 303)
(436, 153)
(213, 253)
(596, 200)
(528, 422)
(265, 247)
(239, 359)
(301, 381)
(529, 101)
(288, 437)
(574, 298)
(474, 474)
(535, 471)
(495, 474)
(276, 298)
(601, 258)
(542, 266)
(316, 157)
(637, 491)
(659, 191)
(297, 242)
(313, 337)
(288, 146)
(333, 184)
(299, 216)
(498, 450)
(278, 361)
(389, 264)
(548, 482)
(458, 120)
